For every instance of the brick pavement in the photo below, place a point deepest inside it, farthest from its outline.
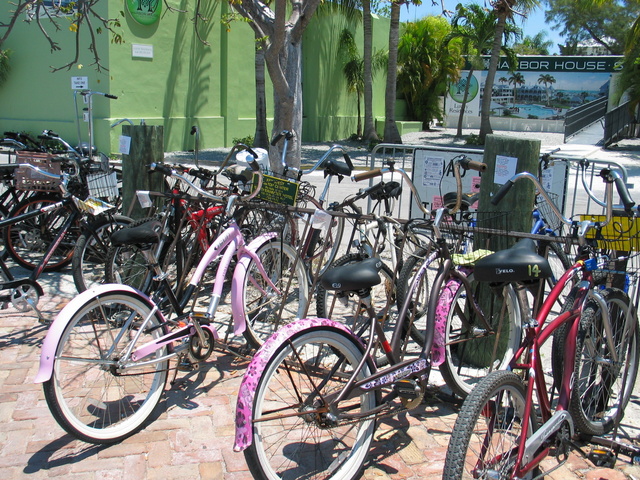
(192, 436)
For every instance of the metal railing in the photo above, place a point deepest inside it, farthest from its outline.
(581, 117)
(615, 123)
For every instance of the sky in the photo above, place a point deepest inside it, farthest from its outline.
(530, 26)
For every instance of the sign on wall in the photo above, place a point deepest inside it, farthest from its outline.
(541, 88)
(145, 12)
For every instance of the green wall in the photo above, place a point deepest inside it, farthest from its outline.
(185, 83)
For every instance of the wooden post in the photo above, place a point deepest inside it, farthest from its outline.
(504, 157)
(147, 147)
(502, 154)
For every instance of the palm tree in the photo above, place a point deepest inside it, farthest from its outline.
(391, 133)
(504, 10)
(370, 133)
(516, 79)
(353, 69)
(475, 25)
(547, 79)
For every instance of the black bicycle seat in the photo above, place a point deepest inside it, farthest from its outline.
(336, 167)
(519, 263)
(466, 200)
(145, 233)
(354, 276)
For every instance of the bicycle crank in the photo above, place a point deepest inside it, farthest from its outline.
(25, 297)
(410, 392)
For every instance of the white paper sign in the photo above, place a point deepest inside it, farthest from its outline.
(144, 198)
(141, 51)
(433, 168)
(125, 145)
(79, 83)
(505, 169)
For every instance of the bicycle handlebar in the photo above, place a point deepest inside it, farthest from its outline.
(287, 135)
(170, 172)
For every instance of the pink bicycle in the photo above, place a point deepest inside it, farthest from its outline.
(106, 357)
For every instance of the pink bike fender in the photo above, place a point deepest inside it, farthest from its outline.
(442, 314)
(50, 343)
(246, 394)
(237, 302)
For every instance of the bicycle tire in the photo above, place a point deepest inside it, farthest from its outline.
(418, 308)
(90, 254)
(127, 265)
(469, 354)
(602, 387)
(86, 393)
(265, 311)
(299, 375)
(27, 241)
(498, 400)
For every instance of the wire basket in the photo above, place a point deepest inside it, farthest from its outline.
(550, 217)
(27, 179)
(103, 185)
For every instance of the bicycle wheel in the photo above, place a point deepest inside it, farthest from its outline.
(92, 394)
(90, 253)
(471, 349)
(413, 263)
(127, 265)
(322, 246)
(265, 310)
(295, 434)
(602, 384)
(27, 241)
(485, 438)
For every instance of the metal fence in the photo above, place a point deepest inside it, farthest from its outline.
(616, 122)
(581, 117)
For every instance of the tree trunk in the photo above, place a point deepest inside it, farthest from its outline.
(464, 103)
(487, 93)
(370, 133)
(391, 133)
(261, 137)
(287, 94)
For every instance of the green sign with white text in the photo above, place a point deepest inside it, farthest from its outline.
(145, 12)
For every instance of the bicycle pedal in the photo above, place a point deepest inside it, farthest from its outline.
(602, 457)
(409, 391)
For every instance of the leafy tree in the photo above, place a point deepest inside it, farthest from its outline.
(4, 65)
(536, 45)
(504, 10)
(605, 22)
(630, 78)
(353, 69)
(546, 79)
(428, 60)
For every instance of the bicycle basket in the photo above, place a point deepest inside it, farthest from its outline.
(103, 185)
(27, 179)
(550, 217)
(622, 234)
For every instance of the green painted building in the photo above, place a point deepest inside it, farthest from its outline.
(163, 74)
